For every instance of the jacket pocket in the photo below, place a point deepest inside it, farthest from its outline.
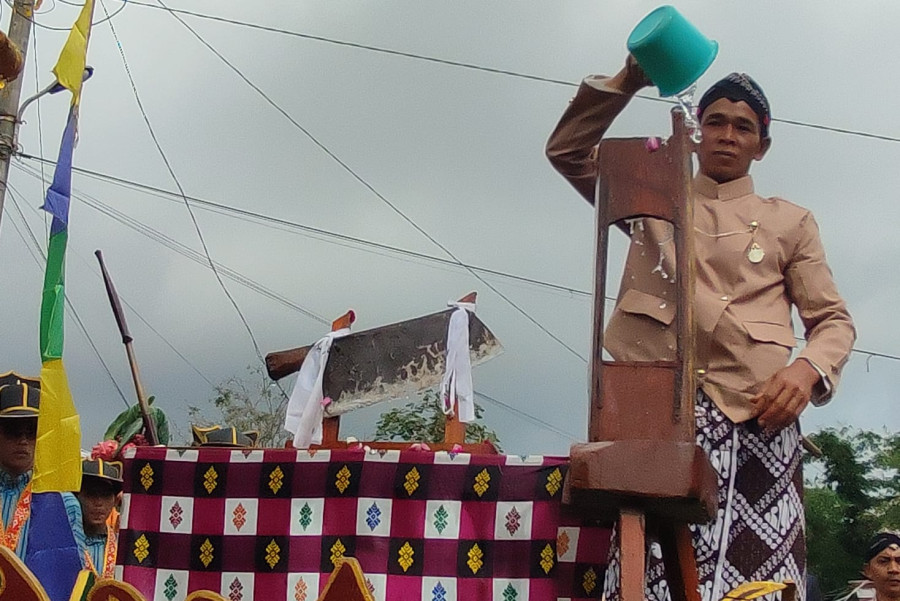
(764, 331)
(641, 303)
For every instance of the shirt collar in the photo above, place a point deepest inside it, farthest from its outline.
(7, 480)
(743, 186)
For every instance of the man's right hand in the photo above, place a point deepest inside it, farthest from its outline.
(630, 79)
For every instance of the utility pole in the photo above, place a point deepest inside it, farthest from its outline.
(19, 33)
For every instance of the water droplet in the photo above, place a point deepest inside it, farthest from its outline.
(690, 116)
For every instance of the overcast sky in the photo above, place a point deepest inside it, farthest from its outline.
(458, 151)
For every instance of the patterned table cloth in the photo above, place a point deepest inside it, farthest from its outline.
(267, 525)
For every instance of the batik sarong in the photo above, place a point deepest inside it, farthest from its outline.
(758, 530)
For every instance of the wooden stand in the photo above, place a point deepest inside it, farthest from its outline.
(642, 467)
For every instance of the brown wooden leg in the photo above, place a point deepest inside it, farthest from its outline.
(632, 554)
(681, 563)
(454, 430)
(331, 427)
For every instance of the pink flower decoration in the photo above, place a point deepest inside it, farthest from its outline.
(457, 448)
(105, 450)
(652, 144)
(326, 401)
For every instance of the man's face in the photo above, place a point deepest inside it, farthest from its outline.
(731, 140)
(17, 438)
(884, 572)
(97, 501)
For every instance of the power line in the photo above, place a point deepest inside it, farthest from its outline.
(472, 66)
(529, 417)
(369, 186)
(319, 233)
(13, 194)
(183, 250)
(161, 192)
(187, 205)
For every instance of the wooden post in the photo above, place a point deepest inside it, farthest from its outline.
(632, 530)
(20, 23)
(454, 430)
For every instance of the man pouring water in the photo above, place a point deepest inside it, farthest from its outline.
(756, 258)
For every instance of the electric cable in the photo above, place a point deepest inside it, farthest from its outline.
(178, 185)
(371, 188)
(13, 194)
(472, 66)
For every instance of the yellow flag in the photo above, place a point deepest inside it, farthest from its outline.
(69, 69)
(57, 455)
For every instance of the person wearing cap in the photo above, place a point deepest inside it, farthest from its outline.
(101, 483)
(756, 258)
(882, 565)
(43, 529)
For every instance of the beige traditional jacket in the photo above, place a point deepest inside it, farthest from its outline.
(755, 258)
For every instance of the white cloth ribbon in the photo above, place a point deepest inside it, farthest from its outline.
(305, 411)
(456, 385)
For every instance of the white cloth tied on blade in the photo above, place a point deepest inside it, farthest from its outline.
(456, 386)
(305, 410)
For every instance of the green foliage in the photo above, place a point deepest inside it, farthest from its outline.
(249, 403)
(853, 496)
(423, 421)
(130, 422)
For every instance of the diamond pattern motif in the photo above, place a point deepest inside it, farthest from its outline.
(509, 593)
(438, 593)
(305, 516)
(513, 521)
(300, 590)
(373, 516)
(210, 479)
(239, 517)
(412, 481)
(147, 476)
(482, 482)
(476, 555)
(562, 543)
(236, 590)
(276, 480)
(554, 482)
(547, 555)
(405, 556)
(343, 479)
(141, 548)
(175, 515)
(273, 553)
(206, 553)
(171, 587)
(440, 519)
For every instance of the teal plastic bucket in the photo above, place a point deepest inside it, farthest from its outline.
(671, 51)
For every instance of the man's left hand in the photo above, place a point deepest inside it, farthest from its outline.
(785, 395)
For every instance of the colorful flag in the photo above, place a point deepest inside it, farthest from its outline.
(57, 462)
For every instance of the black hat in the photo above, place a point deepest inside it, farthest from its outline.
(739, 87)
(217, 436)
(880, 542)
(107, 471)
(19, 396)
